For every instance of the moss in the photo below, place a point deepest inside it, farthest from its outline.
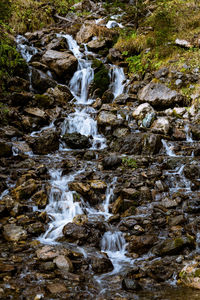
(101, 78)
(129, 162)
(197, 273)
(178, 242)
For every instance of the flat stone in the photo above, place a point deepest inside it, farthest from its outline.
(14, 233)
(56, 288)
(63, 263)
(47, 253)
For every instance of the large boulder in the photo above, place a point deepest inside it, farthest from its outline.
(159, 96)
(41, 81)
(61, 94)
(14, 233)
(46, 142)
(140, 112)
(138, 143)
(99, 44)
(5, 149)
(76, 140)
(141, 244)
(86, 33)
(161, 125)
(63, 64)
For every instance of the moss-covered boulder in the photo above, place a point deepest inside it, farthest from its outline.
(101, 78)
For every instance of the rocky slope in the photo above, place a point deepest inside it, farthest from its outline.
(99, 172)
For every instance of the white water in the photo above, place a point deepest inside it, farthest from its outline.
(61, 208)
(81, 120)
(23, 46)
(117, 80)
(168, 149)
(188, 134)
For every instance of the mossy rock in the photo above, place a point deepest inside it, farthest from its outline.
(101, 78)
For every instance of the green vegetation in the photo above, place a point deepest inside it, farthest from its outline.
(129, 162)
(151, 44)
(101, 78)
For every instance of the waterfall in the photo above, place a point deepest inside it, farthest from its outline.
(117, 78)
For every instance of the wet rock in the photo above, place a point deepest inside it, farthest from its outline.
(44, 101)
(58, 44)
(111, 162)
(41, 81)
(62, 63)
(142, 110)
(121, 132)
(161, 125)
(192, 171)
(76, 140)
(14, 233)
(36, 112)
(86, 33)
(173, 246)
(80, 187)
(117, 205)
(40, 198)
(129, 284)
(141, 244)
(5, 149)
(99, 44)
(74, 232)
(98, 185)
(138, 143)
(108, 118)
(21, 98)
(101, 265)
(163, 72)
(130, 193)
(159, 96)
(107, 97)
(61, 94)
(47, 253)
(36, 228)
(57, 288)
(64, 263)
(46, 142)
(25, 190)
(190, 275)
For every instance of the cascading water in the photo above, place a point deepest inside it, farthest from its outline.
(117, 80)
(62, 207)
(81, 121)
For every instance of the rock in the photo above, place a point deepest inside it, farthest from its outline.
(130, 193)
(190, 275)
(5, 149)
(99, 44)
(121, 132)
(101, 265)
(101, 79)
(40, 198)
(58, 44)
(57, 288)
(159, 96)
(111, 162)
(44, 101)
(14, 233)
(82, 188)
(75, 233)
(163, 72)
(47, 253)
(98, 185)
(173, 246)
(76, 140)
(108, 118)
(62, 63)
(36, 112)
(183, 43)
(61, 94)
(169, 203)
(86, 33)
(142, 110)
(123, 99)
(117, 205)
(41, 81)
(161, 125)
(21, 98)
(46, 142)
(141, 244)
(129, 284)
(25, 190)
(114, 55)
(64, 263)
(107, 97)
(191, 171)
(138, 143)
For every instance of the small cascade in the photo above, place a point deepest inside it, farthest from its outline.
(81, 121)
(117, 80)
(168, 149)
(62, 207)
(109, 194)
(188, 134)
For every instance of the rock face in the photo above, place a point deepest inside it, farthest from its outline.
(63, 64)
(76, 140)
(159, 96)
(14, 233)
(40, 81)
(48, 141)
